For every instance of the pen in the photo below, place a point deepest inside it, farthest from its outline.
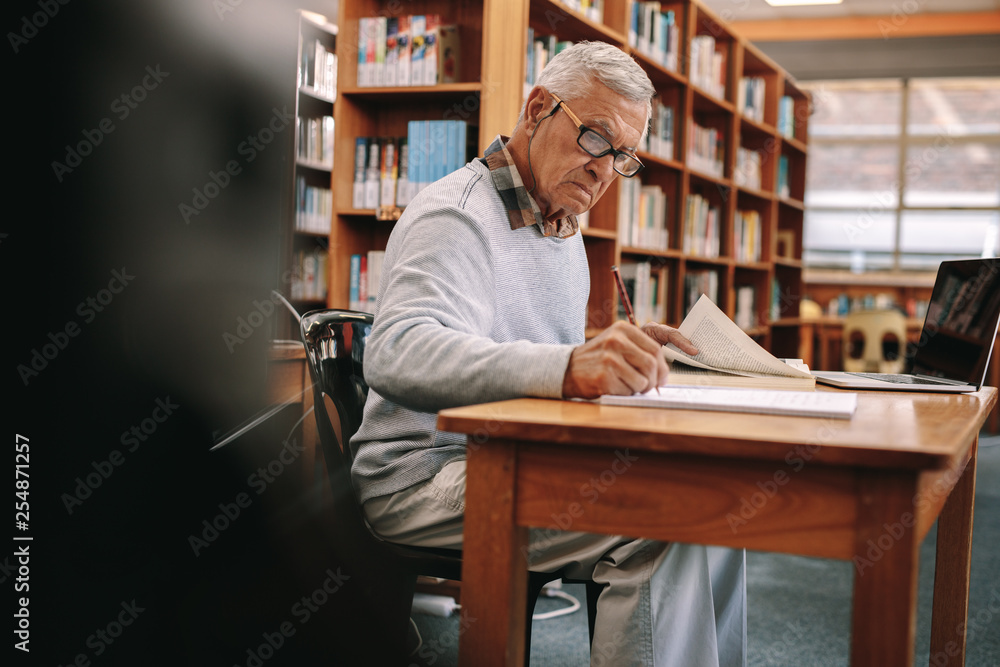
(623, 295)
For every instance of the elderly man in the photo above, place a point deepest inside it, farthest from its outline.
(483, 297)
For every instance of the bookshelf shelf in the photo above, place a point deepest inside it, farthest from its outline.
(402, 92)
(496, 41)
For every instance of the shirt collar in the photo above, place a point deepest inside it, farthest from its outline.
(521, 207)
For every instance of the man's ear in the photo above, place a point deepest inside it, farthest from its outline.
(534, 109)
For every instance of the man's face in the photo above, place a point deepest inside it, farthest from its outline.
(570, 180)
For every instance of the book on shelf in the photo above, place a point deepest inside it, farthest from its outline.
(654, 33)
(705, 149)
(748, 168)
(313, 207)
(644, 288)
(408, 50)
(366, 272)
(318, 69)
(728, 357)
(746, 307)
(707, 66)
(315, 140)
(592, 9)
(699, 282)
(373, 172)
(786, 117)
(389, 172)
(642, 215)
(835, 405)
(783, 189)
(360, 169)
(701, 234)
(660, 138)
(309, 275)
(750, 97)
(541, 49)
(747, 231)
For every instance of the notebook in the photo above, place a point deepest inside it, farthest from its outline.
(953, 351)
(837, 405)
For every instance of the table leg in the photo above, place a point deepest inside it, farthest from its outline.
(951, 570)
(885, 572)
(494, 571)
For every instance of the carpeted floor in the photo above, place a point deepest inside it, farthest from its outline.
(799, 608)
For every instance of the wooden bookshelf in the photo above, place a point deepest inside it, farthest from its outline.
(489, 95)
(305, 282)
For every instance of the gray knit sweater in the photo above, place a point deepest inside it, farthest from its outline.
(468, 311)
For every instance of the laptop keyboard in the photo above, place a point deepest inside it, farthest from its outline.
(898, 379)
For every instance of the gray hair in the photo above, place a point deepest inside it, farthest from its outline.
(574, 68)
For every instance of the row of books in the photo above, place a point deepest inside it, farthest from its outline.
(786, 117)
(541, 49)
(747, 229)
(309, 271)
(705, 149)
(660, 138)
(701, 233)
(643, 286)
(412, 50)
(315, 140)
(750, 98)
(366, 272)
(642, 215)
(698, 282)
(748, 168)
(707, 67)
(317, 70)
(376, 171)
(390, 171)
(313, 207)
(655, 33)
(592, 9)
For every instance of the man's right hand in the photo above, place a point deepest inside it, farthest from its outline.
(622, 359)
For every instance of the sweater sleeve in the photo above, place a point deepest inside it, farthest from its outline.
(430, 347)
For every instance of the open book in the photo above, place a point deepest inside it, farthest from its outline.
(727, 357)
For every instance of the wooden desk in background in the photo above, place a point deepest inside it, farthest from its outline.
(866, 489)
(288, 383)
(821, 347)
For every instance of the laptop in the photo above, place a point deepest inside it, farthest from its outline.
(953, 351)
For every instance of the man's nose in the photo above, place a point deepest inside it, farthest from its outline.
(603, 168)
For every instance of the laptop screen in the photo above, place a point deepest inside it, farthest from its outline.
(961, 322)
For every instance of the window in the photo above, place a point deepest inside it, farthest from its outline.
(902, 173)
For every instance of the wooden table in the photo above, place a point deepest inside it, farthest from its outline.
(866, 489)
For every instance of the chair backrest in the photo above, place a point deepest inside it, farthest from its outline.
(874, 341)
(335, 346)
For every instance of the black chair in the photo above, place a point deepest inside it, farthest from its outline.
(335, 345)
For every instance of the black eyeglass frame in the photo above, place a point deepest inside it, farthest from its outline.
(611, 149)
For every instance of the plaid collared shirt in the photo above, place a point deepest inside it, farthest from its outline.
(521, 206)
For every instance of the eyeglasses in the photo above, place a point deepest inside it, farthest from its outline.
(597, 146)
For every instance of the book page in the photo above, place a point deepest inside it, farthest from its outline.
(840, 405)
(724, 346)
